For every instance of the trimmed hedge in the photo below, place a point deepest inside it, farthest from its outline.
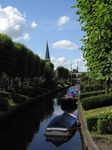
(91, 87)
(88, 94)
(97, 101)
(105, 123)
(92, 123)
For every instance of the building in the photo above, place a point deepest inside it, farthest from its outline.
(47, 54)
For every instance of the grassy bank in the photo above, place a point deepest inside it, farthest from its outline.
(95, 113)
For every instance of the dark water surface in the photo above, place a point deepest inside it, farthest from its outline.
(27, 132)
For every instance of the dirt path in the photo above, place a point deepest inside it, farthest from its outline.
(103, 144)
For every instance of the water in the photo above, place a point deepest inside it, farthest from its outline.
(27, 132)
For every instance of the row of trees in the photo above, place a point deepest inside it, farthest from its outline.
(62, 73)
(18, 61)
(96, 20)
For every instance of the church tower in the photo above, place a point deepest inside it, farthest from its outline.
(47, 55)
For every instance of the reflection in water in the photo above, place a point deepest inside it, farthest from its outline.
(27, 131)
(20, 133)
(69, 106)
(58, 141)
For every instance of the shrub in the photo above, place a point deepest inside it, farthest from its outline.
(88, 94)
(105, 123)
(3, 106)
(91, 87)
(92, 123)
(4, 96)
(18, 98)
(97, 101)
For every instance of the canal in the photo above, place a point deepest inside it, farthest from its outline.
(27, 131)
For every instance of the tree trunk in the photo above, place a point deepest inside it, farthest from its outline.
(108, 85)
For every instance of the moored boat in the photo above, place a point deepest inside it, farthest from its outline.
(69, 97)
(69, 106)
(72, 91)
(62, 125)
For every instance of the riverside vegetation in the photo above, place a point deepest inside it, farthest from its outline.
(24, 75)
(97, 110)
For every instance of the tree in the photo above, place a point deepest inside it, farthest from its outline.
(49, 70)
(66, 73)
(31, 64)
(21, 61)
(6, 55)
(62, 72)
(74, 70)
(36, 65)
(59, 72)
(95, 18)
(41, 67)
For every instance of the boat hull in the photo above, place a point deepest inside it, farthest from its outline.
(58, 133)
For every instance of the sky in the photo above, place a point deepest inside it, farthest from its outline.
(36, 22)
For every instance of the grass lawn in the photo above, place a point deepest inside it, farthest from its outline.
(96, 112)
(105, 136)
(11, 102)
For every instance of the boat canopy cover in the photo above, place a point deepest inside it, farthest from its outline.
(72, 91)
(64, 120)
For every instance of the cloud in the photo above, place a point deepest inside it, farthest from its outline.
(33, 25)
(62, 20)
(12, 22)
(62, 61)
(26, 37)
(64, 44)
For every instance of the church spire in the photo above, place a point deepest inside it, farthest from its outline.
(47, 55)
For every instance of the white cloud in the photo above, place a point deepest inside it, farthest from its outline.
(62, 61)
(26, 37)
(33, 25)
(62, 20)
(64, 44)
(12, 22)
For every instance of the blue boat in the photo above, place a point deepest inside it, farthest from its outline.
(72, 91)
(62, 125)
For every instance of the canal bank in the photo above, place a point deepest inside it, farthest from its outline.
(12, 113)
(27, 131)
(87, 140)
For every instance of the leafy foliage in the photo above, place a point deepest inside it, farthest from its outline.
(6, 55)
(89, 82)
(96, 20)
(97, 101)
(89, 94)
(49, 69)
(105, 123)
(92, 123)
(62, 72)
